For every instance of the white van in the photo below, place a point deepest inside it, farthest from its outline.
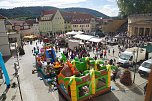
(129, 56)
(145, 67)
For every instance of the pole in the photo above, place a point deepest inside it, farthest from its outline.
(19, 87)
(16, 72)
(17, 55)
(135, 66)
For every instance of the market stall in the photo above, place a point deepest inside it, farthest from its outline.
(83, 37)
(74, 43)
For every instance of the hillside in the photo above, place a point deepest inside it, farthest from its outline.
(33, 12)
(86, 10)
(24, 12)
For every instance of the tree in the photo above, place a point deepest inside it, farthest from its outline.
(92, 74)
(128, 7)
(72, 83)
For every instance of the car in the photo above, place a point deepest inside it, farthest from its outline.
(145, 68)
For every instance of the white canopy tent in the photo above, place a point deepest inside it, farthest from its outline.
(94, 39)
(74, 33)
(80, 32)
(83, 37)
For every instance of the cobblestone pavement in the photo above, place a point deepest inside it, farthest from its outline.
(35, 89)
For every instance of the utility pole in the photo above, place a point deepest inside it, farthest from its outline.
(135, 65)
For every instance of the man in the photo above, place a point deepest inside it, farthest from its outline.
(113, 52)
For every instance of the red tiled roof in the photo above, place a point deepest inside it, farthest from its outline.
(30, 22)
(8, 22)
(46, 12)
(76, 17)
(17, 22)
(73, 17)
(2, 17)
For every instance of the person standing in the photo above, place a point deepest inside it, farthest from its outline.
(109, 51)
(101, 54)
(105, 53)
(93, 49)
(113, 52)
(114, 74)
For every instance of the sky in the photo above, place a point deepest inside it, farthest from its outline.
(108, 7)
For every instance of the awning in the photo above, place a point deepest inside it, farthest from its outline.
(96, 39)
(83, 37)
(30, 37)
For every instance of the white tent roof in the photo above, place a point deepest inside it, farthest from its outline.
(96, 39)
(80, 32)
(83, 37)
(74, 33)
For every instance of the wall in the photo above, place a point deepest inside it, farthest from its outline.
(35, 29)
(81, 27)
(45, 26)
(68, 26)
(4, 44)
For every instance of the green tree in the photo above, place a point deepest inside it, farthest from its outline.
(128, 7)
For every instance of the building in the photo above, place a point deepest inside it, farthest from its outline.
(14, 37)
(4, 44)
(79, 21)
(140, 25)
(51, 22)
(56, 22)
(34, 28)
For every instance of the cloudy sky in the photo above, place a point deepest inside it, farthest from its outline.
(108, 7)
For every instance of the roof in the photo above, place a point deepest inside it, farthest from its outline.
(18, 22)
(149, 61)
(95, 39)
(142, 22)
(30, 22)
(49, 13)
(83, 37)
(2, 17)
(77, 18)
(46, 12)
(66, 71)
(8, 22)
(74, 33)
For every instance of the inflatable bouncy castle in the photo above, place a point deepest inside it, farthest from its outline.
(81, 79)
